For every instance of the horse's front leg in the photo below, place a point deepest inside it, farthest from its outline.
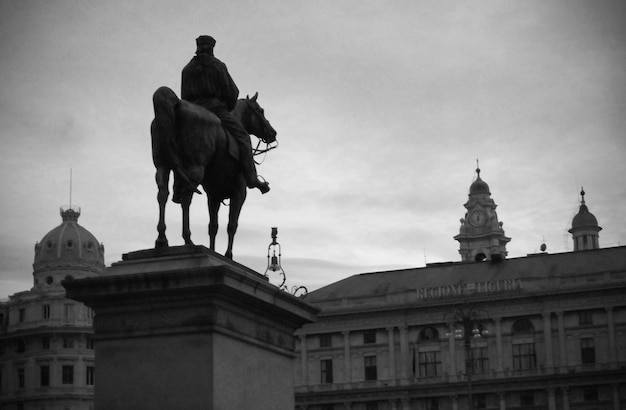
(236, 203)
(185, 204)
(214, 207)
(162, 180)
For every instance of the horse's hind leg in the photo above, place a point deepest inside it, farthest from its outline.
(214, 207)
(162, 180)
(185, 205)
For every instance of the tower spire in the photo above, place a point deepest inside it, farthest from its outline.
(68, 212)
(481, 236)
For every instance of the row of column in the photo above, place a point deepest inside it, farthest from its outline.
(404, 403)
(404, 347)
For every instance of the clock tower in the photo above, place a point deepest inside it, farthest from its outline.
(481, 236)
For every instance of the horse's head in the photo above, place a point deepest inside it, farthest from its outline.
(254, 121)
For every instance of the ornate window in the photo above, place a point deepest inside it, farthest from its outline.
(68, 342)
(587, 350)
(44, 376)
(480, 359)
(429, 360)
(21, 346)
(326, 371)
(524, 357)
(430, 363)
(90, 376)
(67, 375)
(326, 340)
(370, 368)
(585, 317)
(21, 378)
(69, 311)
(369, 337)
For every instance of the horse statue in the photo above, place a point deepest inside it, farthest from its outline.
(189, 140)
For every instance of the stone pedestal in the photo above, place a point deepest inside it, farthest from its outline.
(185, 328)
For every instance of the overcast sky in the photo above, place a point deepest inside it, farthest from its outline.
(381, 109)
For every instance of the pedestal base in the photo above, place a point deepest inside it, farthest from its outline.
(186, 328)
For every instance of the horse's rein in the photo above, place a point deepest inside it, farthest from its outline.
(258, 151)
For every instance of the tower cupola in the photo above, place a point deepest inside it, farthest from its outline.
(479, 187)
(585, 229)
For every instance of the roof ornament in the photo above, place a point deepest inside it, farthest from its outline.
(582, 196)
(68, 212)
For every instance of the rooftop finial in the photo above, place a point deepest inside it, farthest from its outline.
(477, 168)
(582, 196)
(70, 213)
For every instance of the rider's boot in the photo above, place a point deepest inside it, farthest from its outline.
(252, 179)
(263, 186)
(255, 182)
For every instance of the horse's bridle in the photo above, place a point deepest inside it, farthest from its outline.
(265, 124)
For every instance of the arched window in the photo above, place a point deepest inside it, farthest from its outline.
(523, 349)
(428, 334)
(522, 327)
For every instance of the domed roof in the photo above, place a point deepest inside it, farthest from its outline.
(584, 218)
(479, 186)
(69, 245)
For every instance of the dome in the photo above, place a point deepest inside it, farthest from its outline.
(69, 246)
(479, 186)
(584, 218)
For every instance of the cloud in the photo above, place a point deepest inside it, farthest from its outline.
(381, 111)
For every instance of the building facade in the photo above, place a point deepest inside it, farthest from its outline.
(545, 331)
(46, 346)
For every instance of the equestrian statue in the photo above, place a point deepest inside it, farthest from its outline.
(204, 139)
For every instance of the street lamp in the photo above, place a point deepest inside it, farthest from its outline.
(466, 325)
(274, 254)
(273, 260)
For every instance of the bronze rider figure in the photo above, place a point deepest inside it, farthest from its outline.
(206, 82)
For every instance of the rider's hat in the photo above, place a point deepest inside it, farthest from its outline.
(205, 40)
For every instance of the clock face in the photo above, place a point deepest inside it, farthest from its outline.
(478, 218)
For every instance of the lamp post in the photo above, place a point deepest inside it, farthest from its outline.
(466, 324)
(274, 266)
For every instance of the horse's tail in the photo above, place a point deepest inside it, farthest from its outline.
(165, 149)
